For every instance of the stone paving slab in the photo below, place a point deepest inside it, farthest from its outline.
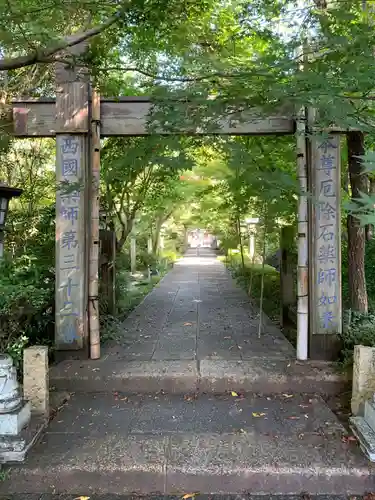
(199, 299)
(120, 443)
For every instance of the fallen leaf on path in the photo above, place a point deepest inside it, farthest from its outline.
(188, 324)
(240, 397)
(189, 495)
(288, 395)
(190, 397)
(234, 394)
(348, 439)
(82, 498)
(256, 414)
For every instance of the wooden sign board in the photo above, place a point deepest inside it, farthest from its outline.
(326, 235)
(70, 242)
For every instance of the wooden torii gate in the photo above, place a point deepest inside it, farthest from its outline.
(77, 118)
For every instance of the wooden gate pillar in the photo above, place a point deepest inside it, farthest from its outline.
(72, 159)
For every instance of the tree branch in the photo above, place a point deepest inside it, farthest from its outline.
(41, 55)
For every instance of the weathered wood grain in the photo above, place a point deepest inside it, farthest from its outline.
(70, 117)
(129, 116)
(122, 118)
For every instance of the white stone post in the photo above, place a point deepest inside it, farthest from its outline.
(133, 254)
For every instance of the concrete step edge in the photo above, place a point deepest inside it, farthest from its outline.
(143, 479)
(179, 377)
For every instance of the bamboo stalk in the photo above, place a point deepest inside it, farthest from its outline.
(303, 260)
(94, 326)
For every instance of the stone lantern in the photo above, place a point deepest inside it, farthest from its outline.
(15, 413)
(6, 194)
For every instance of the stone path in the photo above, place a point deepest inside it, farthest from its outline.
(198, 312)
(195, 331)
(190, 399)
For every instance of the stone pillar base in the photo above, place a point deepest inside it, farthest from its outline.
(15, 448)
(11, 424)
(365, 435)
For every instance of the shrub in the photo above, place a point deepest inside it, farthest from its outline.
(252, 273)
(358, 329)
(27, 284)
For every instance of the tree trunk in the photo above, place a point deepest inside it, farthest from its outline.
(370, 227)
(155, 242)
(356, 233)
(240, 242)
(126, 230)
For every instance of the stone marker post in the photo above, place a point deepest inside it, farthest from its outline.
(363, 385)
(35, 378)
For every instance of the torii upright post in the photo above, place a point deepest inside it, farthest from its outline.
(72, 135)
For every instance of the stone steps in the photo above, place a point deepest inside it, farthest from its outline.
(116, 443)
(259, 374)
(174, 497)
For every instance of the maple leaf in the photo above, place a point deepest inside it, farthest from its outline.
(234, 394)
